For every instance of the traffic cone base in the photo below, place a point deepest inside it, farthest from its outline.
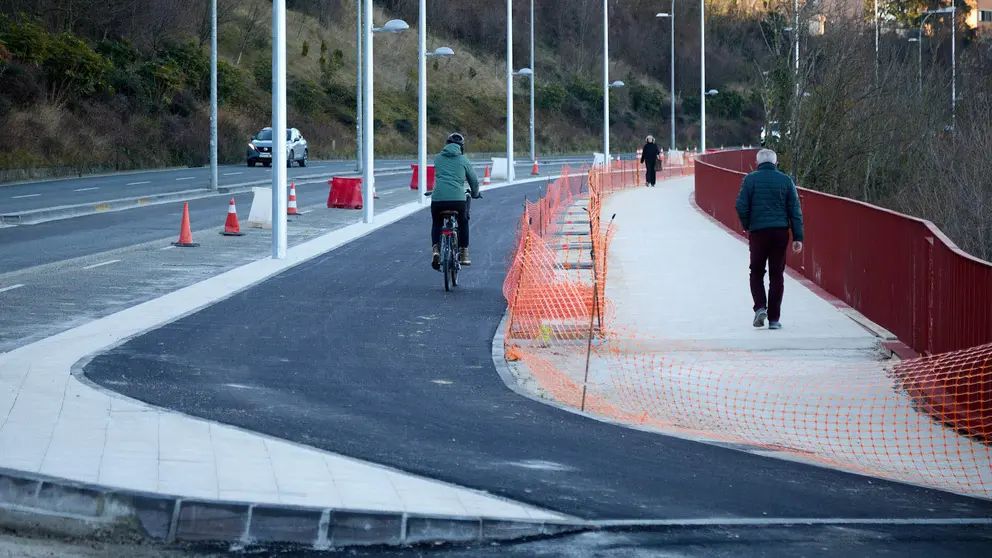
(535, 171)
(185, 235)
(231, 226)
(488, 178)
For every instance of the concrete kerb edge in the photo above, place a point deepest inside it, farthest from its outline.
(70, 507)
(56, 506)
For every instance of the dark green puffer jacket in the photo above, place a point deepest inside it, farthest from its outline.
(769, 199)
(451, 170)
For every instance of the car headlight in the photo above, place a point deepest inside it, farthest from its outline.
(252, 147)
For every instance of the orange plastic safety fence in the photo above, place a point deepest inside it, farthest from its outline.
(924, 421)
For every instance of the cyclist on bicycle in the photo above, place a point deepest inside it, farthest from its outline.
(451, 169)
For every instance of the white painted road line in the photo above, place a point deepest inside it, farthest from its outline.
(185, 178)
(26, 196)
(232, 173)
(170, 247)
(101, 264)
(10, 288)
(86, 189)
(138, 183)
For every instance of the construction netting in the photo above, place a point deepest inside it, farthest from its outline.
(925, 421)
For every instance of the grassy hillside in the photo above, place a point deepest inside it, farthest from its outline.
(91, 90)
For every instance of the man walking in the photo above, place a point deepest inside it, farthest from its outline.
(650, 156)
(768, 207)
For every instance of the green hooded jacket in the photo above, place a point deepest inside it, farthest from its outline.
(451, 170)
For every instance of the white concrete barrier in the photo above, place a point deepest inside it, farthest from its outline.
(260, 216)
(598, 159)
(499, 168)
(674, 157)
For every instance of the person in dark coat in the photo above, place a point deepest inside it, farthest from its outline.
(650, 156)
(768, 207)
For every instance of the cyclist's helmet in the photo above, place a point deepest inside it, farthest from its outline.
(456, 138)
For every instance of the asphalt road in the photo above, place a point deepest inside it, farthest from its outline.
(374, 360)
(54, 241)
(707, 542)
(38, 195)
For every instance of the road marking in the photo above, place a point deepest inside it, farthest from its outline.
(138, 183)
(12, 287)
(101, 264)
(170, 247)
(232, 173)
(771, 521)
(186, 178)
(87, 189)
(26, 196)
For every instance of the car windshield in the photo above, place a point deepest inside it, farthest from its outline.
(264, 135)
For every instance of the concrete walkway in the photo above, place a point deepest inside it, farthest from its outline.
(687, 356)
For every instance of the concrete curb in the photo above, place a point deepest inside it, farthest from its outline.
(95, 510)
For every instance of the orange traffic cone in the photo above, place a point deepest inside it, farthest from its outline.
(185, 235)
(231, 226)
(534, 171)
(488, 178)
(291, 208)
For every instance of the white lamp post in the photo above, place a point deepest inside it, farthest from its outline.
(213, 94)
(368, 152)
(422, 103)
(671, 17)
(533, 152)
(702, 76)
(954, 67)
(510, 174)
(279, 238)
(606, 82)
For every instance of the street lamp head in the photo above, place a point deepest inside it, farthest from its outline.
(617, 83)
(527, 72)
(392, 26)
(442, 51)
(663, 15)
(712, 92)
(914, 39)
(947, 10)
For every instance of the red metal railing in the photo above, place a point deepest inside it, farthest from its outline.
(899, 271)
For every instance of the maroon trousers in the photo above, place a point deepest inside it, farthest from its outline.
(768, 246)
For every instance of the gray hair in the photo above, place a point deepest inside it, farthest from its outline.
(767, 156)
(650, 139)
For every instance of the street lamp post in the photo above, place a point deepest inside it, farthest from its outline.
(702, 76)
(213, 94)
(422, 103)
(359, 38)
(671, 17)
(533, 151)
(279, 163)
(606, 82)
(510, 174)
(368, 152)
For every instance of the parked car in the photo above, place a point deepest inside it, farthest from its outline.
(260, 148)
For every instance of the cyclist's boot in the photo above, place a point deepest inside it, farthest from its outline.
(464, 260)
(436, 258)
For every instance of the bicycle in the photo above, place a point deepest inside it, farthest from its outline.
(450, 263)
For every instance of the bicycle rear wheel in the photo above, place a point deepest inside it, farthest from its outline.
(446, 259)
